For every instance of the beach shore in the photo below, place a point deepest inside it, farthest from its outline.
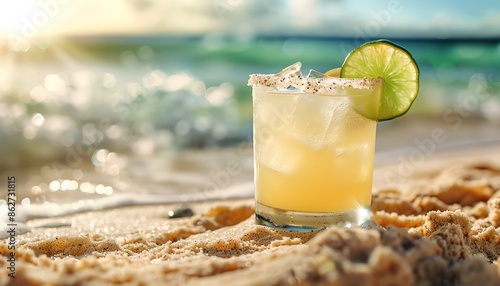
(439, 226)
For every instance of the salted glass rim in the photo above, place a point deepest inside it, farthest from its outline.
(321, 86)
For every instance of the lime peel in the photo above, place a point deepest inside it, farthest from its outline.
(384, 59)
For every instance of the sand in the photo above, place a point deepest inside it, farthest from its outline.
(440, 227)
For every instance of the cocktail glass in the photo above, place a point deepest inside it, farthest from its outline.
(314, 141)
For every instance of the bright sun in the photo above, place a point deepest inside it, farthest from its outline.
(14, 15)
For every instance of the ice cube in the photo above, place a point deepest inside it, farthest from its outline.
(315, 74)
(273, 129)
(293, 70)
(312, 119)
(275, 157)
(289, 72)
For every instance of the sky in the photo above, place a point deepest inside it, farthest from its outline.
(244, 18)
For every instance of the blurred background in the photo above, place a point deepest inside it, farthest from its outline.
(141, 101)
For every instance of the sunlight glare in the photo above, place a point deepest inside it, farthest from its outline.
(15, 14)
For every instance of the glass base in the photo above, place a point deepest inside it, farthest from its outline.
(309, 221)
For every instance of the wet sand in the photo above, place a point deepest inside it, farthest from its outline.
(440, 226)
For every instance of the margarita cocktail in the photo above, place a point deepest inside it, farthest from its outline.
(314, 148)
(314, 136)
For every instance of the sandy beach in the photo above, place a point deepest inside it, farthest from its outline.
(440, 227)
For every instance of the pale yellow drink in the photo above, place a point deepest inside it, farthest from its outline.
(314, 150)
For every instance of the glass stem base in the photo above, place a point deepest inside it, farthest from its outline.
(308, 221)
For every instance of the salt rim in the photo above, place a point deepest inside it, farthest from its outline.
(313, 85)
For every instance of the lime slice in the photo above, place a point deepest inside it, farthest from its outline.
(333, 72)
(392, 63)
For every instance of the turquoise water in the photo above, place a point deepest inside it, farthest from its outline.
(191, 91)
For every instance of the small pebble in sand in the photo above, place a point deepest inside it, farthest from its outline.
(180, 212)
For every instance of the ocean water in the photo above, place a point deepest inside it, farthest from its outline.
(95, 122)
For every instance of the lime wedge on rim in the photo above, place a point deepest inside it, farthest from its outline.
(395, 65)
(333, 72)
